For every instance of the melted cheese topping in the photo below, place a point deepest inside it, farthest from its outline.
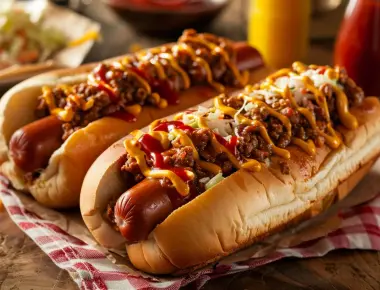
(153, 57)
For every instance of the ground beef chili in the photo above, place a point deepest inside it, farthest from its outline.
(354, 93)
(300, 126)
(123, 79)
(249, 144)
(182, 157)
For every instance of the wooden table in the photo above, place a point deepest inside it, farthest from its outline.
(24, 266)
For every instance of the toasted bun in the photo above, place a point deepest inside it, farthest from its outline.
(243, 208)
(59, 184)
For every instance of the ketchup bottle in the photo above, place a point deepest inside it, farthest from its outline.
(358, 44)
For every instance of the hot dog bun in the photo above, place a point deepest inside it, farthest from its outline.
(59, 184)
(244, 207)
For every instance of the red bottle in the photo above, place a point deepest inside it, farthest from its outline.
(358, 44)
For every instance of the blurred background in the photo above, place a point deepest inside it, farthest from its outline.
(126, 23)
(343, 32)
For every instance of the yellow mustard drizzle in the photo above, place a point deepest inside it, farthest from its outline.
(347, 119)
(331, 137)
(220, 148)
(332, 140)
(218, 103)
(159, 68)
(215, 49)
(201, 62)
(331, 73)
(280, 73)
(163, 138)
(177, 67)
(135, 109)
(319, 96)
(144, 83)
(253, 165)
(153, 57)
(307, 146)
(284, 120)
(299, 67)
(65, 114)
(133, 150)
(186, 141)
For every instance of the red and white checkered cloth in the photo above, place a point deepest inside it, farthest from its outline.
(90, 268)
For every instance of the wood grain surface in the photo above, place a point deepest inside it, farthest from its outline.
(24, 266)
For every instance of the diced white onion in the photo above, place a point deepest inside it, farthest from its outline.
(291, 82)
(228, 138)
(318, 79)
(171, 136)
(300, 97)
(204, 180)
(215, 115)
(269, 96)
(296, 83)
(282, 82)
(202, 109)
(187, 119)
(221, 126)
(249, 107)
(214, 181)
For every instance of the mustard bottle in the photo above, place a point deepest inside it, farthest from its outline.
(279, 29)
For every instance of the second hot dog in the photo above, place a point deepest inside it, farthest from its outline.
(141, 208)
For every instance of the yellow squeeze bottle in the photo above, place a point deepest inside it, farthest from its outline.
(279, 29)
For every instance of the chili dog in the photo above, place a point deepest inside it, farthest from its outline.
(204, 183)
(55, 125)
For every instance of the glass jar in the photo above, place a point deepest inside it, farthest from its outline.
(358, 44)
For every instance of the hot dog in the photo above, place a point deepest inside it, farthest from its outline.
(204, 183)
(141, 208)
(56, 124)
(32, 145)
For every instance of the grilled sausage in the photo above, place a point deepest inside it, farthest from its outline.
(32, 146)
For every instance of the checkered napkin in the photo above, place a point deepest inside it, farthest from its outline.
(91, 269)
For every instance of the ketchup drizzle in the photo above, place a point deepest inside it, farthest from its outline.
(170, 125)
(150, 144)
(164, 89)
(230, 145)
(100, 74)
(153, 148)
(321, 70)
(125, 116)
